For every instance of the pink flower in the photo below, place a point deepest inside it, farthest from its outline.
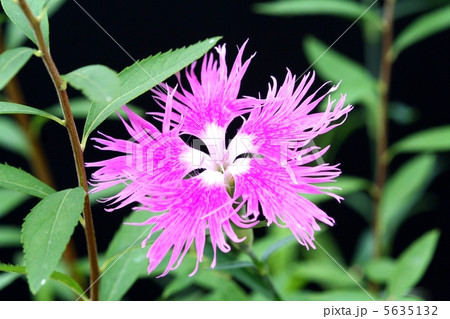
(265, 167)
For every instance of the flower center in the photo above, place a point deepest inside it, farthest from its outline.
(222, 162)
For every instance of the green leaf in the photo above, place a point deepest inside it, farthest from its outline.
(324, 272)
(53, 6)
(278, 258)
(354, 294)
(142, 76)
(12, 137)
(277, 245)
(109, 192)
(18, 180)
(410, 7)
(14, 12)
(9, 236)
(345, 9)
(412, 264)
(126, 261)
(379, 270)
(234, 265)
(225, 290)
(363, 251)
(357, 82)
(10, 200)
(97, 82)
(80, 109)
(436, 139)
(79, 106)
(14, 37)
(360, 202)
(57, 276)
(46, 232)
(6, 279)
(348, 185)
(13, 108)
(11, 62)
(402, 190)
(402, 113)
(421, 28)
(70, 283)
(183, 286)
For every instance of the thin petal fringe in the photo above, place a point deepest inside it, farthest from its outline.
(191, 209)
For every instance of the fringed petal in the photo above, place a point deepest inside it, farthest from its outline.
(149, 157)
(190, 208)
(211, 99)
(284, 124)
(280, 198)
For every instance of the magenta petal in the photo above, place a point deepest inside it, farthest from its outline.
(280, 198)
(190, 208)
(212, 98)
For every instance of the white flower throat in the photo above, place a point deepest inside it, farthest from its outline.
(221, 160)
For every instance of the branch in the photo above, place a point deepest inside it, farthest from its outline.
(382, 124)
(74, 141)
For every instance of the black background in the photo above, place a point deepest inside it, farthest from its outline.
(420, 79)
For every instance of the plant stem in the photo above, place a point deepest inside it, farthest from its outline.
(75, 143)
(264, 274)
(382, 123)
(38, 161)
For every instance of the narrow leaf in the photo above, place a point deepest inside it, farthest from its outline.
(325, 273)
(80, 109)
(410, 7)
(357, 82)
(14, 37)
(142, 76)
(122, 274)
(412, 264)
(108, 192)
(249, 278)
(379, 270)
(402, 191)
(206, 279)
(14, 12)
(345, 9)
(126, 260)
(277, 245)
(56, 275)
(335, 66)
(423, 27)
(402, 114)
(13, 108)
(11, 62)
(351, 294)
(436, 139)
(97, 82)
(347, 185)
(10, 200)
(12, 137)
(6, 279)
(18, 180)
(46, 232)
(234, 265)
(363, 251)
(9, 236)
(360, 202)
